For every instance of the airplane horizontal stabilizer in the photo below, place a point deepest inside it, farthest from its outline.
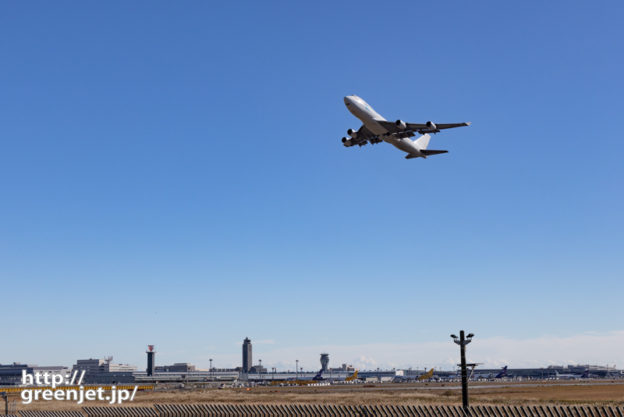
(428, 152)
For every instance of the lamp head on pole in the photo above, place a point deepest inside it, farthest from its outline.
(463, 342)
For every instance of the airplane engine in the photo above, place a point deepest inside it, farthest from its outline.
(352, 133)
(347, 142)
(431, 125)
(401, 124)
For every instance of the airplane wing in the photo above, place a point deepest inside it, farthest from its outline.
(421, 128)
(365, 136)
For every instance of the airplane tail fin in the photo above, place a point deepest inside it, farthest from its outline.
(352, 377)
(426, 375)
(503, 372)
(423, 141)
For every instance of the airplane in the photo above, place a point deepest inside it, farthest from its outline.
(587, 375)
(315, 380)
(352, 377)
(502, 373)
(566, 376)
(318, 376)
(376, 129)
(426, 375)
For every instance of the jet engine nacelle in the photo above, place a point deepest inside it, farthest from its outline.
(401, 124)
(352, 133)
(347, 142)
(431, 125)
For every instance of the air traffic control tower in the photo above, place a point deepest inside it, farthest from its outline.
(324, 361)
(247, 360)
(151, 363)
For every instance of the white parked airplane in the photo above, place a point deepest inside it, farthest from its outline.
(377, 129)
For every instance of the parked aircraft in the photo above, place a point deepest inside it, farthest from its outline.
(566, 376)
(316, 379)
(426, 375)
(502, 373)
(352, 377)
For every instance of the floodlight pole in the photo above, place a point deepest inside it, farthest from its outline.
(462, 341)
(464, 370)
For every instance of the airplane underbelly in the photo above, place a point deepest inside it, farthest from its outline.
(405, 145)
(376, 128)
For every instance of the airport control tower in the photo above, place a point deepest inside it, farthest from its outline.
(247, 361)
(324, 361)
(151, 363)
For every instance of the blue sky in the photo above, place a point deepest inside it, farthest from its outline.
(172, 173)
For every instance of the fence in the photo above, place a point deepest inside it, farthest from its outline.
(329, 410)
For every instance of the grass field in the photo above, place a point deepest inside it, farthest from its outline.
(510, 393)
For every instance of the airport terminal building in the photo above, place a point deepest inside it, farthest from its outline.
(12, 374)
(104, 371)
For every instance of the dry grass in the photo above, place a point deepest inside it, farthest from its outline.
(591, 393)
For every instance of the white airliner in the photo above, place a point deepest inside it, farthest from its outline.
(377, 129)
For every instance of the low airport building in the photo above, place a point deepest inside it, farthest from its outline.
(213, 375)
(12, 374)
(176, 367)
(104, 371)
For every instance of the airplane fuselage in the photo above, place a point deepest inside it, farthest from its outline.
(369, 117)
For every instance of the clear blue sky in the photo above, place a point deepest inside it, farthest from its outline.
(172, 173)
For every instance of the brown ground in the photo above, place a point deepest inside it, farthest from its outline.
(550, 392)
